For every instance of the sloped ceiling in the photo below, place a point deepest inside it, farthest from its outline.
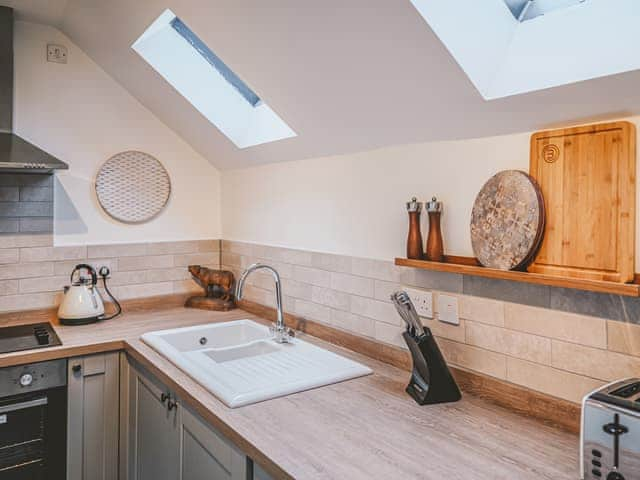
(48, 12)
(346, 76)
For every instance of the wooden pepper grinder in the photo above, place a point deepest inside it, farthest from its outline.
(435, 248)
(414, 239)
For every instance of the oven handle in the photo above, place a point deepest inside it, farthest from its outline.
(20, 406)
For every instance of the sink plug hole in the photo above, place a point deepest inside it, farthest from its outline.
(203, 341)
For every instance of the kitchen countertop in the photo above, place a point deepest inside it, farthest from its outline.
(363, 428)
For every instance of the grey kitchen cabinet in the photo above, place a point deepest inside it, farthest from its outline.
(206, 455)
(152, 445)
(92, 417)
(259, 473)
(163, 440)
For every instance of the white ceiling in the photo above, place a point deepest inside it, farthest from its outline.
(49, 12)
(346, 76)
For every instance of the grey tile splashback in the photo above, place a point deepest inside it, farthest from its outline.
(516, 292)
(614, 307)
(26, 179)
(9, 225)
(26, 209)
(9, 194)
(35, 225)
(36, 194)
(26, 203)
(448, 282)
(603, 305)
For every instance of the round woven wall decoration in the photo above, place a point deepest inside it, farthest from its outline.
(133, 187)
(507, 221)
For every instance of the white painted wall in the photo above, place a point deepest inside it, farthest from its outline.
(355, 204)
(81, 115)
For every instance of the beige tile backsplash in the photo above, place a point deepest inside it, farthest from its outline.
(510, 342)
(557, 382)
(601, 364)
(557, 353)
(565, 326)
(474, 358)
(623, 337)
(481, 310)
(446, 330)
(33, 271)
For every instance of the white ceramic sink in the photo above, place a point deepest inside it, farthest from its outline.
(240, 364)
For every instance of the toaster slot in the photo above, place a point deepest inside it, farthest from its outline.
(627, 391)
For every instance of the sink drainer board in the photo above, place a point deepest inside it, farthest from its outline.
(240, 364)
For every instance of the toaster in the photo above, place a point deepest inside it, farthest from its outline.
(610, 432)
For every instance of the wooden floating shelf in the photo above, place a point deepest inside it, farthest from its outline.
(470, 266)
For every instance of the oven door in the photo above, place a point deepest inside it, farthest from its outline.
(33, 435)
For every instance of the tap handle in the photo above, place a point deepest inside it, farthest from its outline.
(283, 335)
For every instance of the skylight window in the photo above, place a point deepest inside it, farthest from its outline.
(527, 9)
(510, 47)
(202, 77)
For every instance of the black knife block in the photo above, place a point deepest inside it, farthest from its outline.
(431, 380)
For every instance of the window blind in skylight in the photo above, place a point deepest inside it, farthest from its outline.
(213, 59)
(524, 10)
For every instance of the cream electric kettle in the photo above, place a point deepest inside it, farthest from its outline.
(82, 302)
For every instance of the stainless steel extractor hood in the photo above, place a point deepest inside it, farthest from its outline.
(16, 154)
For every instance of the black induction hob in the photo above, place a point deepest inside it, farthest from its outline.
(27, 337)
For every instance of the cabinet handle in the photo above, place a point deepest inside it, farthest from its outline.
(76, 368)
(171, 405)
(164, 397)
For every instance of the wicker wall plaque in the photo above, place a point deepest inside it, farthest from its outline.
(133, 187)
(507, 221)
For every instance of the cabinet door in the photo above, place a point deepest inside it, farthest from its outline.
(92, 417)
(259, 473)
(153, 430)
(206, 455)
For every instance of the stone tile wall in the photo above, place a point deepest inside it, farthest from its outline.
(557, 341)
(26, 203)
(33, 271)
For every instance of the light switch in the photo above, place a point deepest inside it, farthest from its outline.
(448, 309)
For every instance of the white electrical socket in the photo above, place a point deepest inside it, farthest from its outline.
(448, 309)
(422, 300)
(57, 53)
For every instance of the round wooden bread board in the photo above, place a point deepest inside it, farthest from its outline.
(507, 221)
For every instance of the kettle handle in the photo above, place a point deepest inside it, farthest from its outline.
(88, 268)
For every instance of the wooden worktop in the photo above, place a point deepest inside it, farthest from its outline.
(362, 428)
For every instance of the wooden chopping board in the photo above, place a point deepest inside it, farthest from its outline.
(587, 177)
(507, 221)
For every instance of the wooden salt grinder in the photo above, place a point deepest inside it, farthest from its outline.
(414, 239)
(435, 248)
